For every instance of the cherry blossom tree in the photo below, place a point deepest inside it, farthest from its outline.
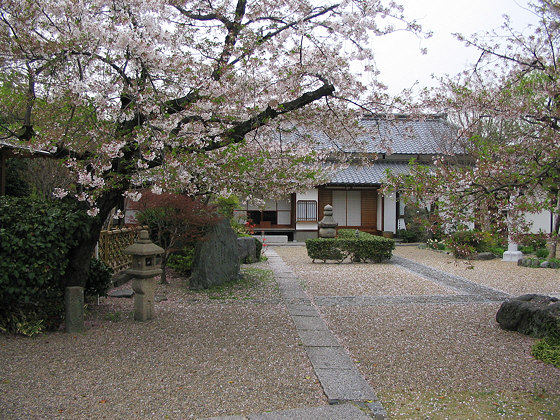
(192, 95)
(507, 149)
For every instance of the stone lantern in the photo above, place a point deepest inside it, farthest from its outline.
(512, 254)
(146, 264)
(327, 225)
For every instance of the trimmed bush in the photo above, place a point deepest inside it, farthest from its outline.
(99, 279)
(409, 236)
(325, 249)
(369, 248)
(351, 234)
(35, 236)
(182, 261)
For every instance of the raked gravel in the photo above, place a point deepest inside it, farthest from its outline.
(504, 276)
(358, 279)
(240, 354)
(199, 357)
(412, 347)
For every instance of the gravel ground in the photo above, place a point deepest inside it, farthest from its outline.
(346, 279)
(439, 347)
(199, 357)
(236, 351)
(432, 347)
(504, 276)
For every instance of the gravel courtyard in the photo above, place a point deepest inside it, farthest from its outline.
(236, 351)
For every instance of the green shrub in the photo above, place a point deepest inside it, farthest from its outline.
(534, 241)
(325, 249)
(409, 236)
(526, 249)
(35, 236)
(99, 279)
(351, 234)
(547, 349)
(374, 249)
(497, 251)
(369, 248)
(182, 261)
(541, 253)
(466, 243)
(435, 244)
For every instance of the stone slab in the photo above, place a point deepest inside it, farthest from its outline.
(328, 412)
(345, 385)
(292, 292)
(303, 310)
(124, 293)
(318, 338)
(329, 358)
(297, 301)
(313, 323)
(377, 409)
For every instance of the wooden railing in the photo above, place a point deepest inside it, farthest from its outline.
(112, 244)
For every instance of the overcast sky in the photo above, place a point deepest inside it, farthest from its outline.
(398, 55)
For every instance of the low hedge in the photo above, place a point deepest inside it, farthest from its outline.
(370, 248)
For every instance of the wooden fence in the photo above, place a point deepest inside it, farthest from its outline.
(112, 244)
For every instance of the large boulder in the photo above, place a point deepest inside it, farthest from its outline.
(216, 259)
(247, 250)
(530, 314)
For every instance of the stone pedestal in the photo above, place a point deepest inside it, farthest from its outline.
(144, 290)
(74, 306)
(512, 254)
(327, 226)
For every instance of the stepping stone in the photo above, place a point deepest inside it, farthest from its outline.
(124, 293)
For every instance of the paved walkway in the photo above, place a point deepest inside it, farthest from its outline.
(350, 395)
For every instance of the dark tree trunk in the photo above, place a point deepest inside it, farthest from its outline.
(80, 255)
(554, 233)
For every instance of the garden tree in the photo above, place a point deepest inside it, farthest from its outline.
(174, 221)
(186, 95)
(507, 110)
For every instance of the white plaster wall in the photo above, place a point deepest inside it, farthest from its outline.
(307, 226)
(540, 221)
(390, 212)
(308, 195)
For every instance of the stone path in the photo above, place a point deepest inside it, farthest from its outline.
(350, 395)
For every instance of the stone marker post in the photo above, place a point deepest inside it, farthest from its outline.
(146, 264)
(74, 306)
(327, 225)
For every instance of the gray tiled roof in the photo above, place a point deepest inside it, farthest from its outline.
(433, 135)
(397, 135)
(368, 175)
